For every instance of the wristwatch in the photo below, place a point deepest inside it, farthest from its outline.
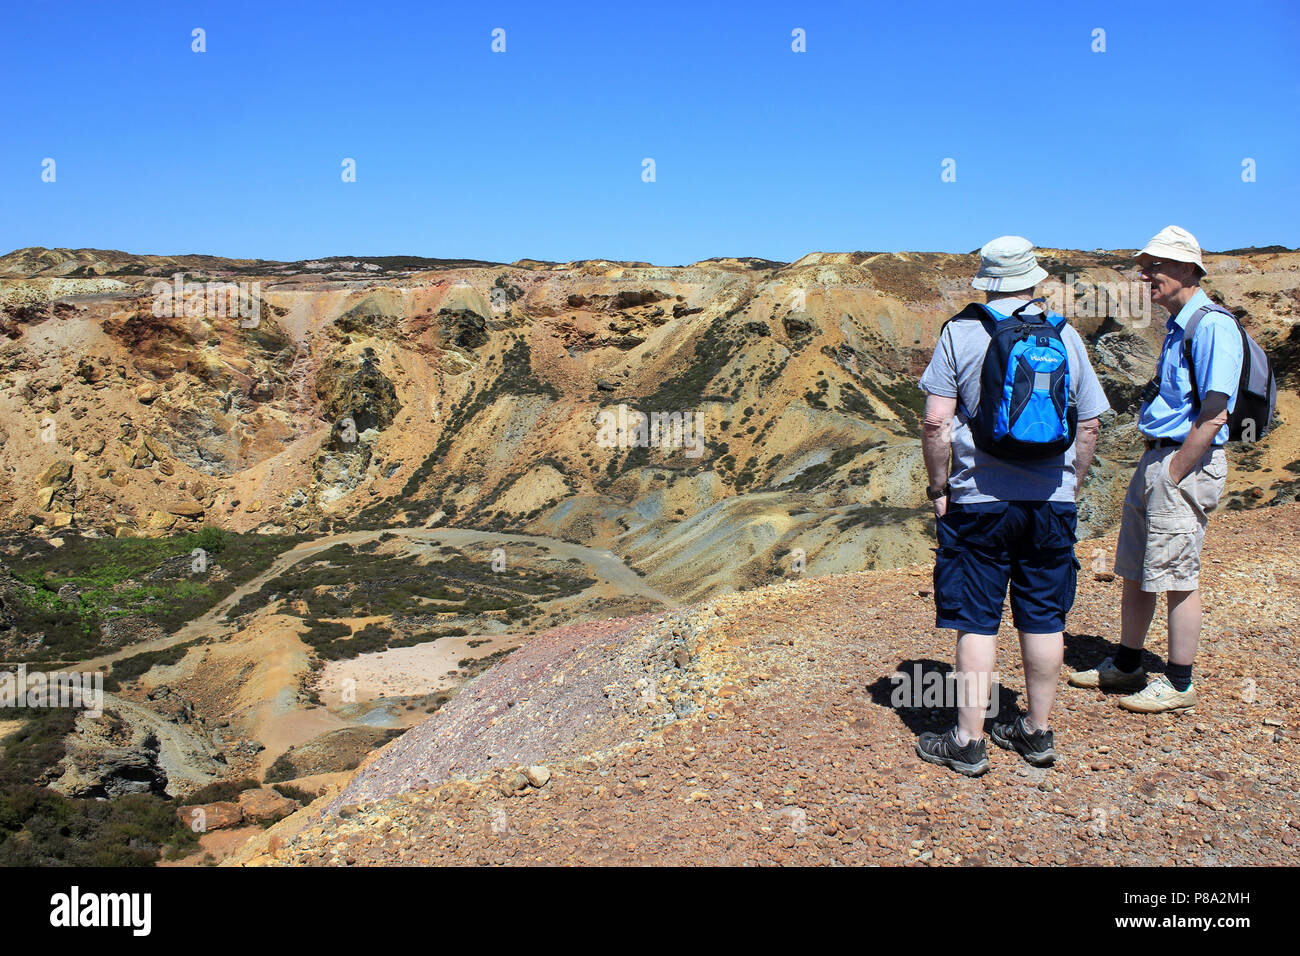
(934, 494)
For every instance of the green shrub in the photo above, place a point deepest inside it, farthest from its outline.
(221, 790)
(129, 668)
(210, 538)
(41, 827)
(150, 578)
(294, 793)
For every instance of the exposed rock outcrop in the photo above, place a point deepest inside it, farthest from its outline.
(356, 390)
(132, 748)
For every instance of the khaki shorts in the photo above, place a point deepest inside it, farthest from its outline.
(1163, 527)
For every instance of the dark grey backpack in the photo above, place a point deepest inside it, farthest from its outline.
(1252, 416)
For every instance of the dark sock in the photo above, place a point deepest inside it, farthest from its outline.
(1128, 659)
(1180, 675)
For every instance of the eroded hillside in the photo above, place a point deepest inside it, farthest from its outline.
(369, 393)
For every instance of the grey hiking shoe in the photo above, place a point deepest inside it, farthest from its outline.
(1037, 748)
(1107, 676)
(971, 760)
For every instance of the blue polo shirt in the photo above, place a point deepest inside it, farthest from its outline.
(1216, 350)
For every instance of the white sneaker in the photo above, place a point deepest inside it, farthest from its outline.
(1159, 697)
(1109, 677)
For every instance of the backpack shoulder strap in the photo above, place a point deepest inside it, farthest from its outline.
(976, 311)
(1189, 333)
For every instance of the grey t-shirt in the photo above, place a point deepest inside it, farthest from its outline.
(954, 372)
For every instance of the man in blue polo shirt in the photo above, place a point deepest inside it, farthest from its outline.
(1177, 483)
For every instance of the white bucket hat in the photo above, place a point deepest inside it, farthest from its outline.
(1007, 264)
(1173, 242)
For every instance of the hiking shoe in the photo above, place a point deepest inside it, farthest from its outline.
(1107, 676)
(1159, 697)
(972, 760)
(1035, 747)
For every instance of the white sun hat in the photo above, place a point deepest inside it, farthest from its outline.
(1007, 264)
(1174, 242)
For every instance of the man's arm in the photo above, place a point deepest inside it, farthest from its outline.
(1213, 416)
(1217, 357)
(1085, 447)
(1090, 399)
(936, 444)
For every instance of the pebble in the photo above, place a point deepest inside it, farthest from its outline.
(537, 775)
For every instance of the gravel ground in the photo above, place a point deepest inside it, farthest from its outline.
(573, 690)
(762, 732)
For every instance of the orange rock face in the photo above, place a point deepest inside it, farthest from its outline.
(263, 806)
(211, 816)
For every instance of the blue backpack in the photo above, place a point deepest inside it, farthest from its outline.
(1025, 411)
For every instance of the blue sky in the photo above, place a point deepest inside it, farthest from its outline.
(537, 152)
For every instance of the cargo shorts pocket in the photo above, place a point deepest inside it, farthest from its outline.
(1210, 481)
(1171, 559)
(1170, 522)
(969, 588)
(1169, 509)
(1172, 546)
(949, 582)
(1060, 527)
(1070, 568)
(1072, 580)
(972, 527)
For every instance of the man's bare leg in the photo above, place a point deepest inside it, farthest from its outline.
(1042, 655)
(1137, 607)
(976, 656)
(1184, 625)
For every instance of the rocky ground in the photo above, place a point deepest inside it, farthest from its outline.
(783, 746)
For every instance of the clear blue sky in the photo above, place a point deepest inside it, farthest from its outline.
(537, 152)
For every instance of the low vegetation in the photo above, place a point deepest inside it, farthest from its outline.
(419, 598)
(78, 589)
(41, 827)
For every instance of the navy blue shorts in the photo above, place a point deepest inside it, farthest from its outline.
(983, 547)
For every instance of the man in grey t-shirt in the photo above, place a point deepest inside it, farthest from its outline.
(1002, 521)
